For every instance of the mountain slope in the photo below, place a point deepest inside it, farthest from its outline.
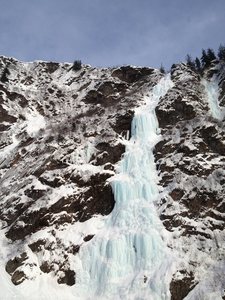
(63, 135)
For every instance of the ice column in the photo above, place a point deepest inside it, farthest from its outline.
(128, 259)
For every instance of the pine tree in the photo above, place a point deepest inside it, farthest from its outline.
(198, 65)
(211, 55)
(162, 69)
(221, 52)
(77, 65)
(190, 62)
(204, 59)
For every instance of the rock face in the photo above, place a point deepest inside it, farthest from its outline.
(190, 160)
(62, 133)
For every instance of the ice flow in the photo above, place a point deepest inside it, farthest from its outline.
(129, 259)
(212, 92)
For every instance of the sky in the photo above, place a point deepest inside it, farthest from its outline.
(110, 32)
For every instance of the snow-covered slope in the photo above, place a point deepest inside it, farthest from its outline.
(84, 213)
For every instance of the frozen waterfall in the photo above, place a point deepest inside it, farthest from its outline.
(128, 258)
(212, 92)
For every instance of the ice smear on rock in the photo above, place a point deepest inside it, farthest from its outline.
(212, 92)
(129, 258)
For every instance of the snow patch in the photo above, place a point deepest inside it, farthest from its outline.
(35, 122)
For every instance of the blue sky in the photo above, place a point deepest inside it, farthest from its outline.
(110, 32)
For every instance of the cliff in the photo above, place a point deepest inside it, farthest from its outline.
(64, 134)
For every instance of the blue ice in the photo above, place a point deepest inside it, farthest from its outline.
(129, 259)
(212, 92)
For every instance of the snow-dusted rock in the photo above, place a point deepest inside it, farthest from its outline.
(62, 132)
(62, 136)
(190, 160)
